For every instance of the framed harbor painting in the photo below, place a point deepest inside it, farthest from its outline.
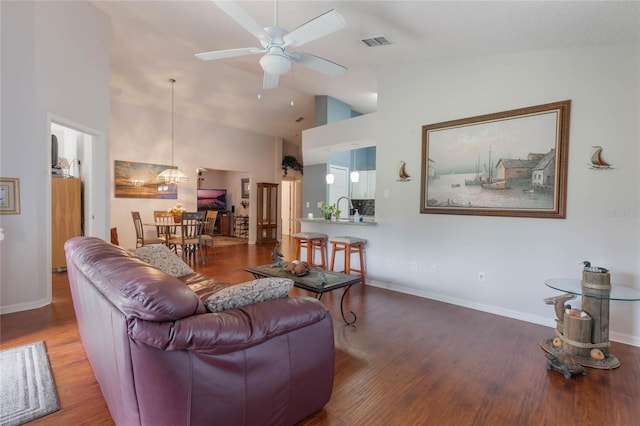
(140, 180)
(510, 163)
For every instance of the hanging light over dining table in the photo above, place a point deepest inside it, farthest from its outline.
(172, 175)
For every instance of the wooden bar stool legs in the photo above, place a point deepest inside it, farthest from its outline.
(349, 245)
(312, 241)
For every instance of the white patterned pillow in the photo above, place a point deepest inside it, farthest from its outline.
(163, 258)
(249, 293)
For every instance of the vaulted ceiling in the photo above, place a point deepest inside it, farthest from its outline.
(152, 41)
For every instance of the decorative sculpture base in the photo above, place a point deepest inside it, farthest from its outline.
(567, 370)
(609, 363)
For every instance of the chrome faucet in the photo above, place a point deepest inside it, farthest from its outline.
(350, 204)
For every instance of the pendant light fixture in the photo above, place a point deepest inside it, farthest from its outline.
(172, 176)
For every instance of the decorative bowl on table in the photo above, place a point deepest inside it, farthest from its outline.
(296, 267)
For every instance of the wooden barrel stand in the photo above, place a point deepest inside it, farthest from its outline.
(596, 288)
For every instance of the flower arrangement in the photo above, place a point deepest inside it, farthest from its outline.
(177, 210)
(329, 210)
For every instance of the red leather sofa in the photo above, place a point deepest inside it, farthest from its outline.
(161, 359)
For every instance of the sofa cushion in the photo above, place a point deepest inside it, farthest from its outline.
(203, 286)
(163, 258)
(248, 293)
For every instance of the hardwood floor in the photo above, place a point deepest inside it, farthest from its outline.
(406, 361)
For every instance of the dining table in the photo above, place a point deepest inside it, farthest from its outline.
(166, 227)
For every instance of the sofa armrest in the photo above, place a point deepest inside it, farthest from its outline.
(232, 330)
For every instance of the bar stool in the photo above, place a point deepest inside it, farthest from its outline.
(311, 241)
(349, 245)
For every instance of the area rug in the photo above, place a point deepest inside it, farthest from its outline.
(221, 241)
(27, 390)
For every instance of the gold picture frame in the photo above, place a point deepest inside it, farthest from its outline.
(9, 196)
(510, 163)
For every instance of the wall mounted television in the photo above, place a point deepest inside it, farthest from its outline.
(212, 199)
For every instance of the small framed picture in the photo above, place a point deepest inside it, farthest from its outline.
(9, 196)
(246, 187)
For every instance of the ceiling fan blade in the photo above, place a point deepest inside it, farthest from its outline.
(318, 64)
(243, 18)
(270, 81)
(319, 26)
(229, 53)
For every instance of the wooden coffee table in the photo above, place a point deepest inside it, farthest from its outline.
(317, 281)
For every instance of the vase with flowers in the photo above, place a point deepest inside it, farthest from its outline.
(177, 211)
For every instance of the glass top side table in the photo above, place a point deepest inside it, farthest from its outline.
(591, 347)
(574, 286)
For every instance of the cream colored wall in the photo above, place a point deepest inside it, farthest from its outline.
(144, 135)
(517, 254)
(46, 52)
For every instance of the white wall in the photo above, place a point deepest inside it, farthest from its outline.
(144, 135)
(55, 64)
(517, 254)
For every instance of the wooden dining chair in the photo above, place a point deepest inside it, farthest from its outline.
(141, 240)
(165, 217)
(189, 239)
(207, 232)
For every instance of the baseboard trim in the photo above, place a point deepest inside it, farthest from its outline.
(535, 319)
(19, 307)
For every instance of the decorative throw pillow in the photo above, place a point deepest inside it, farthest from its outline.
(163, 258)
(249, 293)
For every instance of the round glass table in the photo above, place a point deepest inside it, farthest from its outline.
(592, 349)
(574, 286)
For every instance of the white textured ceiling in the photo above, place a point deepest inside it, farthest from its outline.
(152, 41)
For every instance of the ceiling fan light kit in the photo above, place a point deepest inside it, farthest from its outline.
(275, 63)
(276, 42)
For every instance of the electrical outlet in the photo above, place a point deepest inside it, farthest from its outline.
(482, 277)
(388, 263)
(414, 267)
(434, 269)
(307, 204)
(319, 205)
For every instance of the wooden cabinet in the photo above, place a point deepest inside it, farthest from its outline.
(267, 210)
(66, 217)
(226, 223)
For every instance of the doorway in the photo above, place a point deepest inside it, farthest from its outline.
(85, 151)
(74, 158)
(291, 205)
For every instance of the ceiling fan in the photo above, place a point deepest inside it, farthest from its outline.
(276, 43)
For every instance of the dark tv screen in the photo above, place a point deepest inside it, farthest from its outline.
(212, 199)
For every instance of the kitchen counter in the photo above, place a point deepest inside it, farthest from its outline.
(368, 221)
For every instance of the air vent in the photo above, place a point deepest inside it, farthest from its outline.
(376, 41)
(299, 119)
